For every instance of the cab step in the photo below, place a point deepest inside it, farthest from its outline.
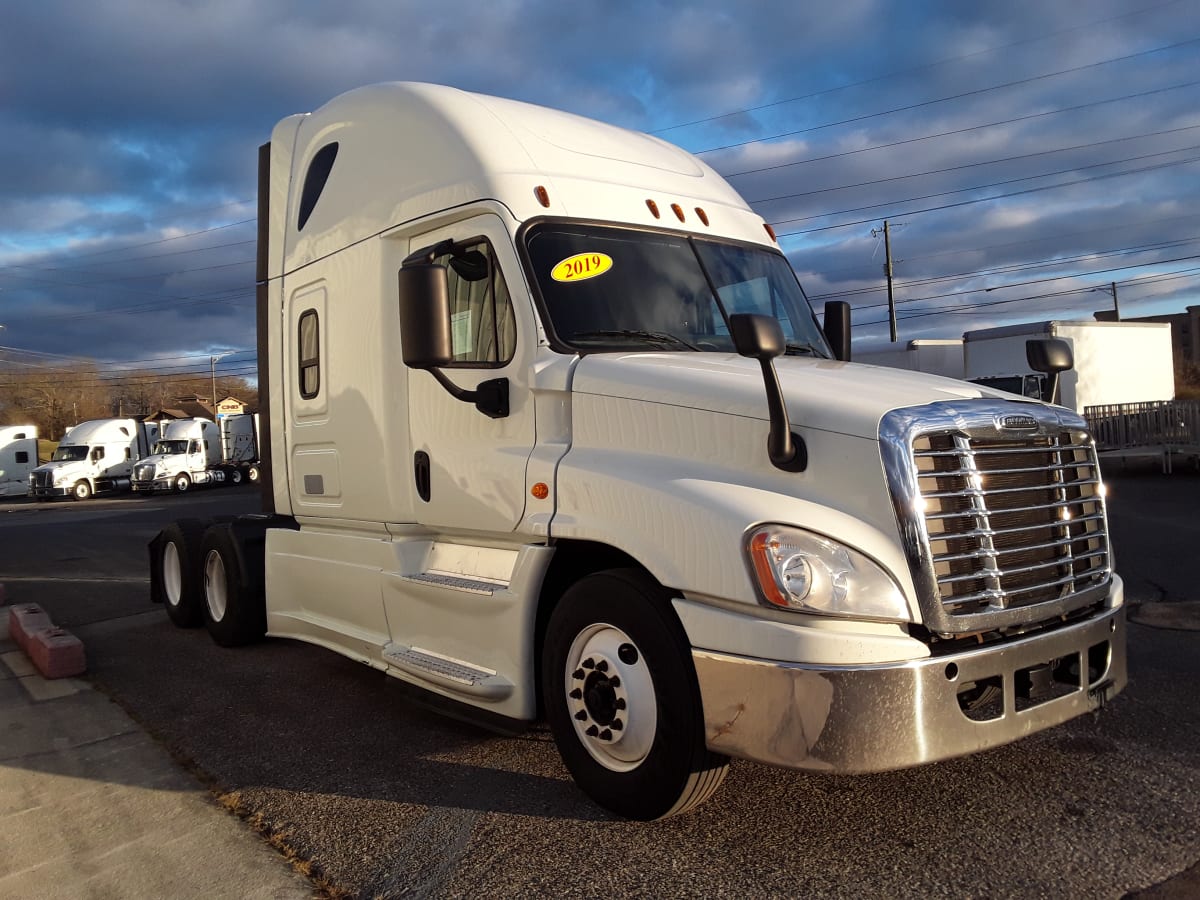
(452, 674)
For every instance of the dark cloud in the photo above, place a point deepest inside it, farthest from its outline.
(132, 123)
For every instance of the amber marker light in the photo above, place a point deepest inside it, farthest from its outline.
(761, 548)
(653, 207)
(771, 232)
(540, 490)
(678, 210)
(543, 196)
(702, 214)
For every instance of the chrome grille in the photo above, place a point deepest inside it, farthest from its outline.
(43, 479)
(1005, 526)
(143, 473)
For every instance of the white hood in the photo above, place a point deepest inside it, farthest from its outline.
(845, 398)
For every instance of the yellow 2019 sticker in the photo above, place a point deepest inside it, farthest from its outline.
(581, 266)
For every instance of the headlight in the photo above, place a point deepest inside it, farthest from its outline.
(802, 571)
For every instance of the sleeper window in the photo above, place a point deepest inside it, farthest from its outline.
(310, 355)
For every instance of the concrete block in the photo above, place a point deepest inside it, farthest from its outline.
(24, 621)
(56, 653)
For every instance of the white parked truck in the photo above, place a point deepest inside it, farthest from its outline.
(1115, 362)
(93, 457)
(18, 457)
(936, 356)
(551, 429)
(200, 451)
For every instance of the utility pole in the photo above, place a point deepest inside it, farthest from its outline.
(1116, 306)
(887, 271)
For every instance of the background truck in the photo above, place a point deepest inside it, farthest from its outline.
(18, 457)
(551, 430)
(200, 451)
(935, 356)
(1115, 362)
(93, 457)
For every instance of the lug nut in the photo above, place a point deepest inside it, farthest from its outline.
(581, 715)
(620, 704)
(592, 731)
(606, 735)
(589, 663)
(617, 725)
(577, 674)
(602, 666)
(576, 694)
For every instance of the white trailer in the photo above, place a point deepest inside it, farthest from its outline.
(550, 426)
(239, 447)
(1115, 362)
(18, 457)
(93, 457)
(935, 356)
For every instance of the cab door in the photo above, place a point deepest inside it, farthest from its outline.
(468, 468)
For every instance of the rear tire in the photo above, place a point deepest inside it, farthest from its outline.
(253, 474)
(621, 696)
(235, 476)
(234, 610)
(179, 572)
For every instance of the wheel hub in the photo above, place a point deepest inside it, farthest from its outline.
(611, 698)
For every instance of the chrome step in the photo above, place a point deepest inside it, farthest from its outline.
(456, 583)
(453, 674)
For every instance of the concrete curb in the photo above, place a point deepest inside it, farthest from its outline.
(54, 651)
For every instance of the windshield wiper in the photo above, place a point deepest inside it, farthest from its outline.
(656, 337)
(803, 350)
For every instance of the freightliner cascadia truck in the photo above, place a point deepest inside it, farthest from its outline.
(551, 430)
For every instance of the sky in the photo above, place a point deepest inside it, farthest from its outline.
(1025, 155)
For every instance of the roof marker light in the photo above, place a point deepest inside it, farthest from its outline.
(702, 214)
(771, 232)
(543, 196)
(653, 207)
(678, 210)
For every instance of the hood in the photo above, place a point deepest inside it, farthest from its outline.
(846, 398)
(60, 464)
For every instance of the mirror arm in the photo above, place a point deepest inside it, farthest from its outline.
(785, 448)
(490, 397)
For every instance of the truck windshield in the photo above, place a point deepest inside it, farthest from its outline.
(171, 447)
(610, 289)
(69, 454)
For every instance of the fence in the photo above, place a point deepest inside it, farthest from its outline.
(1166, 429)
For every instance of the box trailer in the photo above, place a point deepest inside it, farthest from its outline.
(1115, 362)
(549, 428)
(935, 356)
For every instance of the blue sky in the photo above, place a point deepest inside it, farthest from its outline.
(1037, 149)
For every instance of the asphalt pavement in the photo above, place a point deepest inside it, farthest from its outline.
(296, 753)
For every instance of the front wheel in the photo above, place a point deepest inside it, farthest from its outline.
(82, 490)
(182, 483)
(621, 696)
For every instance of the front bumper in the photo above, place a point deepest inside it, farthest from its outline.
(159, 484)
(873, 718)
(63, 490)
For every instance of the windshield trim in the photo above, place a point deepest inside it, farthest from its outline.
(547, 323)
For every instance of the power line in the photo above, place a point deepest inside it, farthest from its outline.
(1033, 190)
(914, 69)
(946, 99)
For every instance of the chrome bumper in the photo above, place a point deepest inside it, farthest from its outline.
(880, 717)
(63, 491)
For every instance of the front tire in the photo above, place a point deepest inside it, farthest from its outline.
(234, 610)
(622, 700)
(82, 490)
(182, 483)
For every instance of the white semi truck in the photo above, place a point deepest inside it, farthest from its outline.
(94, 457)
(18, 457)
(200, 451)
(551, 430)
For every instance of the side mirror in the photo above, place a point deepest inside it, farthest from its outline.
(1051, 356)
(95, 454)
(761, 338)
(425, 338)
(837, 328)
(425, 316)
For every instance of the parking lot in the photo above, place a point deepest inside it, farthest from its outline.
(374, 796)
